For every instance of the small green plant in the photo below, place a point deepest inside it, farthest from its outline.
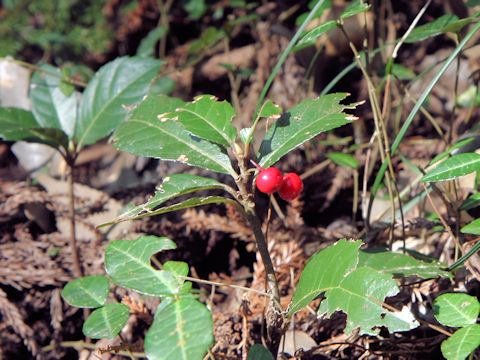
(68, 121)
(459, 311)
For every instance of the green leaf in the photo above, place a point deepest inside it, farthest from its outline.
(402, 72)
(181, 330)
(342, 159)
(190, 203)
(471, 202)
(468, 98)
(195, 8)
(454, 167)
(456, 309)
(451, 150)
(472, 228)
(462, 343)
(354, 8)
(106, 322)
(128, 264)
(269, 109)
(325, 270)
(400, 265)
(15, 124)
(207, 118)
(360, 295)
(310, 38)
(301, 123)
(18, 124)
(52, 137)
(148, 43)
(172, 186)
(433, 28)
(358, 291)
(86, 292)
(209, 37)
(259, 352)
(178, 267)
(115, 87)
(51, 107)
(145, 135)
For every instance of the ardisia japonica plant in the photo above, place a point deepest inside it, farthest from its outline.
(201, 133)
(67, 120)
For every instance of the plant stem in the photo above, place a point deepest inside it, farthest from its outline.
(274, 318)
(77, 269)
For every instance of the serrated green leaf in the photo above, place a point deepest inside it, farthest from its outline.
(145, 135)
(471, 202)
(400, 265)
(358, 291)
(325, 270)
(181, 330)
(106, 322)
(342, 159)
(462, 343)
(116, 86)
(172, 186)
(148, 43)
(360, 295)
(431, 29)
(128, 264)
(269, 109)
(472, 228)
(301, 123)
(51, 107)
(259, 352)
(86, 292)
(207, 118)
(454, 167)
(456, 309)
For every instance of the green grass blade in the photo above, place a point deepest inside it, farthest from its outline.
(416, 108)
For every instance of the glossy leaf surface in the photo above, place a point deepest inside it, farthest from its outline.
(356, 290)
(207, 118)
(400, 265)
(106, 322)
(86, 292)
(51, 107)
(148, 133)
(454, 167)
(462, 343)
(301, 123)
(118, 85)
(128, 264)
(456, 309)
(181, 330)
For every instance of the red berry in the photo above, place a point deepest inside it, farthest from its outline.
(291, 186)
(269, 180)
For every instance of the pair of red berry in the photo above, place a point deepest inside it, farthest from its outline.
(270, 180)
